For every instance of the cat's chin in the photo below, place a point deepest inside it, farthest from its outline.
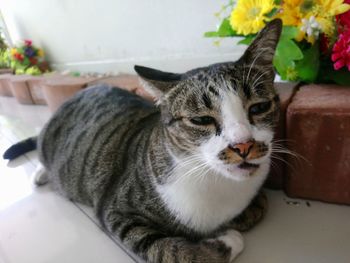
(239, 172)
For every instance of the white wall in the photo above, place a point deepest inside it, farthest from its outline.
(113, 35)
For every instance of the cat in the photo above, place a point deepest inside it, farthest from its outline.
(178, 180)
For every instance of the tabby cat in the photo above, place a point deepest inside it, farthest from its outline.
(175, 181)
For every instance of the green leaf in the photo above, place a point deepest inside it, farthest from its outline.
(272, 13)
(224, 30)
(289, 32)
(308, 67)
(289, 50)
(282, 66)
(211, 34)
(246, 41)
(286, 53)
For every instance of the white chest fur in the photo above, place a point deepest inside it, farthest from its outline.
(204, 202)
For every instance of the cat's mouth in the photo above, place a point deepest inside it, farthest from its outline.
(244, 168)
(248, 166)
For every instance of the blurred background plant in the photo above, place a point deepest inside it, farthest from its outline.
(315, 43)
(27, 59)
(4, 55)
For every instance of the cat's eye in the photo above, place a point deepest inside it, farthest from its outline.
(204, 120)
(259, 108)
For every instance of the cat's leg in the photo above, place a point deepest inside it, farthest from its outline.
(155, 246)
(252, 215)
(40, 176)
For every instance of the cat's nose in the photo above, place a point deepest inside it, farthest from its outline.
(242, 149)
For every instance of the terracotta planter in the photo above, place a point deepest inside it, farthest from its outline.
(20, 89)
(36, 84)
(35, 87)
(128, 82)
(318, 126)
(6, 71)
(57, 90)
(5, 88)
(278, 169)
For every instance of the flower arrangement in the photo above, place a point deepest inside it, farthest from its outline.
(26, 58)
(315, 40)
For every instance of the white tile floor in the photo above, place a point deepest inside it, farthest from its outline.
(37, 225)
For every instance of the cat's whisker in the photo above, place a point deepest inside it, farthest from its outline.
(252, 64)
(187, 160)
(257, 79)
(280, 149)
(282, 160)
(244, 66)
(189, 172)
(257, 84)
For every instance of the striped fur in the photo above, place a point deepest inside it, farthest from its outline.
(114, 151)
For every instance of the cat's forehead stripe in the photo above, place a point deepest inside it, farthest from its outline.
(207, 101)
(212, 90)
(247, 91)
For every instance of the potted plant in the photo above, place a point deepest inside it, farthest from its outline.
(27, 59)
(314, 50)
(4, 58)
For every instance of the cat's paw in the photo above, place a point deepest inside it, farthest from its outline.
(40, 176)
(232, 240)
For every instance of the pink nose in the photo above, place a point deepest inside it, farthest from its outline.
(242, 149)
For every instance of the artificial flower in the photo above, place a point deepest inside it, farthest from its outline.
(29, 52)
(341, 51)
(33, 61)
(40, 52)
(326, 10)
(13, 51)
(343, 20)
(298, 13)
(312, 17)
(249, 16)
(311, 28)
(293, 11)
(332, 7)
(291, 74)
(19, 57)
(27, 42)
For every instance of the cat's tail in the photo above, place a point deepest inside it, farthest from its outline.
(20, 148)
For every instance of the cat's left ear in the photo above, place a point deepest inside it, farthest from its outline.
(262, 49)
(157, 82)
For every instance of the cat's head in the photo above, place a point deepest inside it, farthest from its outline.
(222, 116)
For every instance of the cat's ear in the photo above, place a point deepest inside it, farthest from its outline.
(157, 82)
(262, 49)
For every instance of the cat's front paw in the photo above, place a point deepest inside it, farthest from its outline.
(232, 240)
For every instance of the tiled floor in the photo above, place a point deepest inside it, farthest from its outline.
(37, 225)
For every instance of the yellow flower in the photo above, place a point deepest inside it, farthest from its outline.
(290, 13)
(249, 16)
(332, 7)
(13, 51)
(311, 16)
(40, 52)
(326, 10)
(291, 74)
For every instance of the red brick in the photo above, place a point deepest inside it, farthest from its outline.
(278, 169)
(318, 126)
